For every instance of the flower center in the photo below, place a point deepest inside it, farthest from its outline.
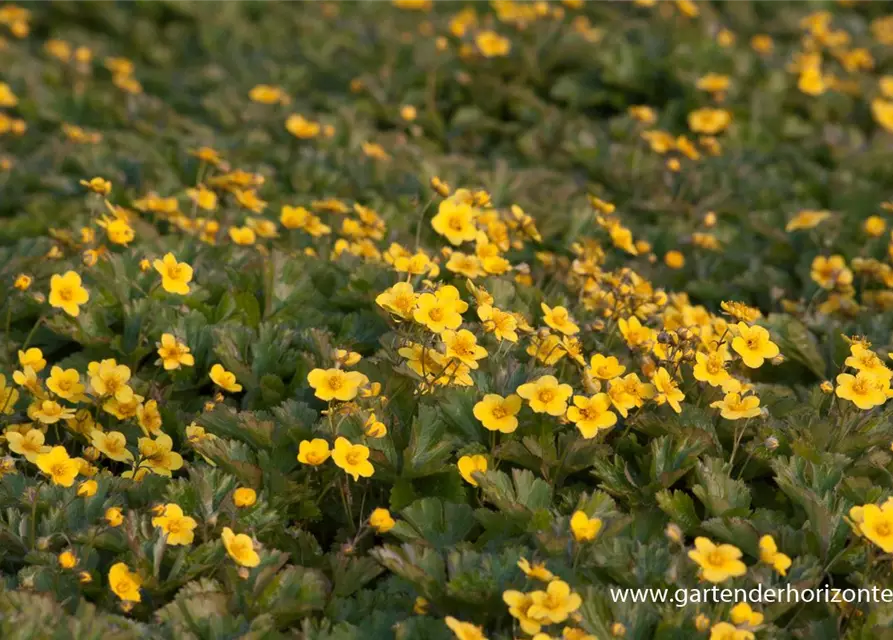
(716, 558)
(883, 529)
(66, 293)
(335, 382)
(546, 396)
(353, 458)
(499, 412)
(436, 314)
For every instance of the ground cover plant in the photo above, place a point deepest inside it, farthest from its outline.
(441, 320)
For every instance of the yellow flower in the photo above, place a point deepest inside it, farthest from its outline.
(244, 236)
(203, 197)
(463, 630)
(754, 345)
(674, 259)
(711, 367)
(667, 389)
(770, 554)
(112, 444)
(114, 517)
(413, 5)
(408, 112)
(336, 384)
(633, 332)
(98, 185)
(605, 368)
(177, 527)
(546, 395)
(830, 272)
(713, 82)
(124, 583)
(718, 562)
(66, 384)
(244, 497)
(536, 570)
(874, 226)
(67, 560)
(87, 489)
(864, 389)
(374, 428)
(33, 358)
(583, 527)
(501, 324)
(380, 520)
(441, 310)
(49, 412)
(492, 45)
(519, 607)
(313, 452)
(158, 456)
(465, 265)
(22, 282)
(224, 379)
(497, 413)
(462, 346)
(173, 353)
(547, 349)
(66, 293)
(352, 458)
(240, 548)
(559, 319)
(30, 444)
(301, 128)
(555, 604)
(108, 378)
(117, 230)
(591, 415)
(267, 94)
(807, 219)
(175, 276)
(726, 631)
(471, 464)
(882, 110)
(56, 464)
(742, 613)
(455, 221)
(735, 407)
(876, 525)
(867, 361)
(709, 121)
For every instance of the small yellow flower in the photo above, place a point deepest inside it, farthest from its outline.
(66, 293)
(301, 128)
(381, 520)
(559, 319)
(770, 554)
(455, 220)
(555, 604)
(124, 583)
(66, 383)
(667, 390)
(33, 358)
(173, 353)
(267, 94)
(22, 282)
(176, 527)
(754, 345)
(67, 560)
(536, 570)
(175, 276)
(244, 497)
(546, 395)
(864, 390)
(718, 562)
(735, 407)
(49, 412)
(29, 444)
(583, 527)
(492, 45)
(240, 548)
(243, 236)
(203, 197)
(726, 631)
(61, 469)
(709, 121)
(497, 413)
(224, 379)
(114, 517)
(336, 384)
(313, 452)
(98, 185)
(469, 465)
(352, 458)
(591, 415)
